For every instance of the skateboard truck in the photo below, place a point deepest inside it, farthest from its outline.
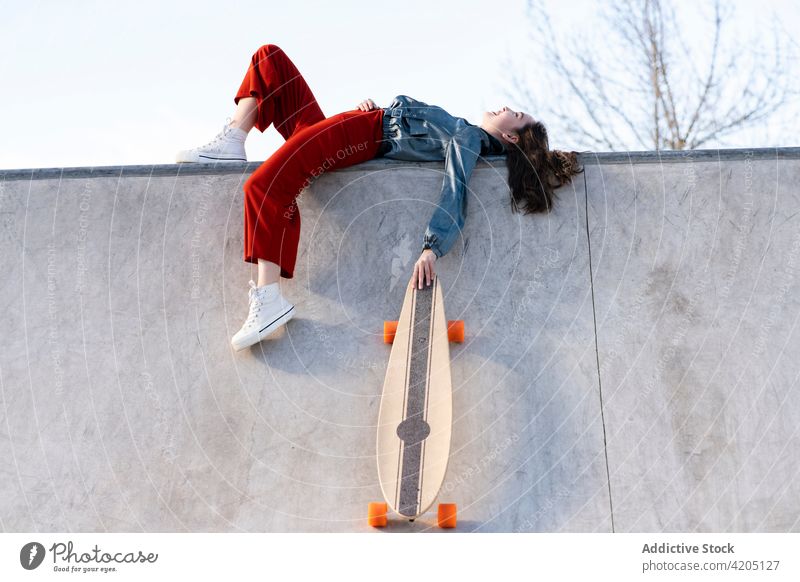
(446, 517)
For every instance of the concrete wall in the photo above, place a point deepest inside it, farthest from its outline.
(630, 364)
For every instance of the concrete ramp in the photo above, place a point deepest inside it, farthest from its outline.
(630, 364)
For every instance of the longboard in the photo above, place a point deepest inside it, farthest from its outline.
(416, 412)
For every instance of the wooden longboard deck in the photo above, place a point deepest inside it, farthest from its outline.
(416, 414)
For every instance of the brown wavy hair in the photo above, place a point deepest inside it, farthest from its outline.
(534, 171)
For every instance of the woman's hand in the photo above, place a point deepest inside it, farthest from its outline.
(367, 105)
(423, 269)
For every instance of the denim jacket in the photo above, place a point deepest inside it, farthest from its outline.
(416, 131)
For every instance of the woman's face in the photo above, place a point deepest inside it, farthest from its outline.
(505, 123)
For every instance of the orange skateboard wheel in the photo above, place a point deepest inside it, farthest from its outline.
(455, 330)
(389, 329)
(376, 514)
(447, 515)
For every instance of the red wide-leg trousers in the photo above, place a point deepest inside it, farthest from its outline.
(314, 145)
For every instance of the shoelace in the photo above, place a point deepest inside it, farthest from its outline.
(220, 136)
(255, 305)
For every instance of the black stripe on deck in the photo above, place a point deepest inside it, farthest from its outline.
(414, 430)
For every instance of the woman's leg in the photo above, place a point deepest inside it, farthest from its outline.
(274, 92)
(283, 98)
(313, 145)
(268, 273)
(245, 115)
(272, 217)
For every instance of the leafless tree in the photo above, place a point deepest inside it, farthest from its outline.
(642, 87)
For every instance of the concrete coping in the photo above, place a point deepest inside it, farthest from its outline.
(585, 158)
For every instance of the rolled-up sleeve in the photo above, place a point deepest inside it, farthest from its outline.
(461, 155)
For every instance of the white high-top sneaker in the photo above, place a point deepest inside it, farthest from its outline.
(228, 146)
(268, 311)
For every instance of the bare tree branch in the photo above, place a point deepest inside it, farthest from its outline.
(710, 79)
(647, 98)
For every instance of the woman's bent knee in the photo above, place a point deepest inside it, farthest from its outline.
(268, 49)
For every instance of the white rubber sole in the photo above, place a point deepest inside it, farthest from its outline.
(207, 158)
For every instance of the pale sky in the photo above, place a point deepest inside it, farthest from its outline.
(96, 83)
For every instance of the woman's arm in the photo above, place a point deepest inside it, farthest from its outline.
(447, 221)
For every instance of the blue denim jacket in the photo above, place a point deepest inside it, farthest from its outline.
(416, 131)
